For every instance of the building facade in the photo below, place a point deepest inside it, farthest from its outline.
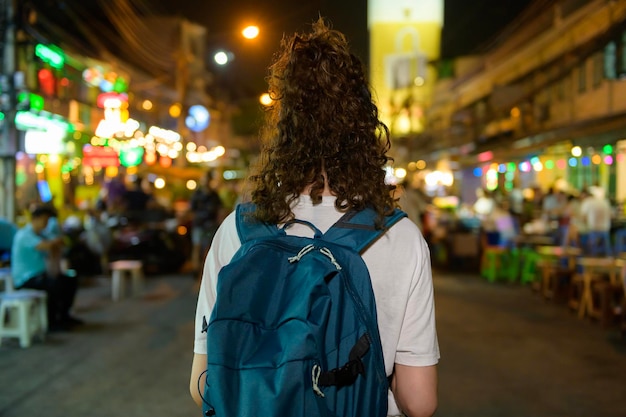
(84, 107)
(545, 104)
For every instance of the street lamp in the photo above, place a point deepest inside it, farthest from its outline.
(265, 99)
(221, 58)
(250, 32)
(224, 57)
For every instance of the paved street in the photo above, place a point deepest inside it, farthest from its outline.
(505, 352)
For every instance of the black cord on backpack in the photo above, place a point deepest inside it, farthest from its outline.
(211, 411)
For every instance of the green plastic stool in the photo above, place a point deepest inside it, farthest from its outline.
(513, 265)
(529, 266)
(494, 263)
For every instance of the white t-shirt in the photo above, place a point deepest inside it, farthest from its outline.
(399, 266)
(597, 214)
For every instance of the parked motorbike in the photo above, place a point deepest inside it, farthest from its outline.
(152, 238)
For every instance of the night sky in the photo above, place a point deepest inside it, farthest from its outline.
(468, 27)
(245, 76)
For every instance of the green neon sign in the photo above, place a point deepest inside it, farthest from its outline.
(25, 120)
(131, 157)
(35, 100)
(120, 85)
(52, 55)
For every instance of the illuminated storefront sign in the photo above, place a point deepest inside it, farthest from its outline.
(112, 128)
(47, 81)
(51, 55)
(111, 100)
(26, 120)
(45, 132)
(131, 156)
(37, 142)
(100, 156)
(168, 135)
(106, 81)
(116, 122)
(32, 100)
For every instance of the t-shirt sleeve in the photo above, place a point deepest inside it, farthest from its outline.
(418, 344)
(225, 244)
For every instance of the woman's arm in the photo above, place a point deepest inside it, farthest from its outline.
(415, 389)
(198, 366)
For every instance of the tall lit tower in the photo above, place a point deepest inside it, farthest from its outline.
(405, 38)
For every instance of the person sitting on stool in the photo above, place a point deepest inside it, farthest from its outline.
(29, 254)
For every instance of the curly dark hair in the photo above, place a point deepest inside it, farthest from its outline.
(322, 124)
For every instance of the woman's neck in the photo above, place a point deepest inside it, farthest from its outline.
(325, 192)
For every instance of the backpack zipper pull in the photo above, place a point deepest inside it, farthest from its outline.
(303, 251)
(330, 256)
(315, 376)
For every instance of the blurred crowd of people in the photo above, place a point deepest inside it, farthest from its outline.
(52, 249)
(565, 214)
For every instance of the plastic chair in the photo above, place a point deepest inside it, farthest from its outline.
(23, 315)
(119, 271)
(529, 258)
(6, 280)
(499, 261)
(493, 262)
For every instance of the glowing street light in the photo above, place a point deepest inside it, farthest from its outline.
(265, 99)
(250, 32)
(221, 58)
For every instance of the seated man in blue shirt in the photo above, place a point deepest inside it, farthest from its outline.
(7, 232)
(30, 250)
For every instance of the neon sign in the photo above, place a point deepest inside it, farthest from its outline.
(101, 156)
(25, 120)
(51, 55)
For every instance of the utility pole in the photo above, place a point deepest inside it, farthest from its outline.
(8, 133)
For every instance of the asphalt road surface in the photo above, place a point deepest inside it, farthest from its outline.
(506, 352)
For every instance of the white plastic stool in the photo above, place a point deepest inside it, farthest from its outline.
(6, 279)
(23, 314)
(120, 270)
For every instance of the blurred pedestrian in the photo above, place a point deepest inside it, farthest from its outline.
(414, 202)
(484, 204)
(207, 211)
(136, 201)
(502, 222)
(29, 268)
(596, 212)
(112, 195)
(98, 237)
(324, 153)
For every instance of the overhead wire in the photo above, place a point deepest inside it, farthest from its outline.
(97, 38)
(136, 24)
(138, 36)
(76, 15)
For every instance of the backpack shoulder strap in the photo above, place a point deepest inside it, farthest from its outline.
(357, 230)
(249, 228)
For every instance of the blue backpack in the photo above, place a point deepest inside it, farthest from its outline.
(294, 330)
